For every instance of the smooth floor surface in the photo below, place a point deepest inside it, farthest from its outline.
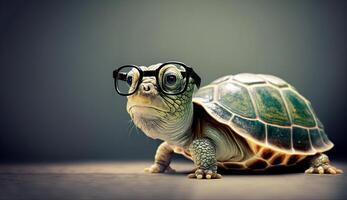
(126, 180)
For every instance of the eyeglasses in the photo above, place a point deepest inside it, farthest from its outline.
(172, 78)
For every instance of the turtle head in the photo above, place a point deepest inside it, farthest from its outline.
(158, 114)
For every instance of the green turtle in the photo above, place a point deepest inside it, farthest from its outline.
(243, 121)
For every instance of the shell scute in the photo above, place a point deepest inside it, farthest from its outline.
(316, 139)
(249, 79)
(205, 94)
(219, 111)
(270, 105)
(299, 110)
(236, 98)
(301, 140)
(254, 128)
(280, 137)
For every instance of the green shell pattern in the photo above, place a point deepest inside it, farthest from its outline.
(266, 110)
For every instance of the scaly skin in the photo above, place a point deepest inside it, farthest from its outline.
(203, 152)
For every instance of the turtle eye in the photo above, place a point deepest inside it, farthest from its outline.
(170, 79)
(129, 80)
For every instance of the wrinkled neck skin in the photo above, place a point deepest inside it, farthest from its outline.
(174, 128)
(178, 131)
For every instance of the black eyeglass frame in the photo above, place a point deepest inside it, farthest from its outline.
(189, 72)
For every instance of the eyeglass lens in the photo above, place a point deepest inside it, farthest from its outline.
(127, 79)
(172, 79)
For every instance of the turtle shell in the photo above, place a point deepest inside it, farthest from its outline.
(266, 110)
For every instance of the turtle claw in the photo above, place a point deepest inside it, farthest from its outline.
(157, 168)
(327, 169)
(207, 174)
(192, 175)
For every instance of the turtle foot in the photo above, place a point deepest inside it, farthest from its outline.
(320, 164)
(207, 174)
(157, 168)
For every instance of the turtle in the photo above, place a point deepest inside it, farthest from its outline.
(249, 122)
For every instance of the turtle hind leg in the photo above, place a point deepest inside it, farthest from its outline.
(320, 164)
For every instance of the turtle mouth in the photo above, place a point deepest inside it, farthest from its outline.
(145, 108)
(148, 118)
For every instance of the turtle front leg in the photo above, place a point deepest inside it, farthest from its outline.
(162, 160)
(320, 164)
(203, 152)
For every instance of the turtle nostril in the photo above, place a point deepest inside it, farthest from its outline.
(146, 87)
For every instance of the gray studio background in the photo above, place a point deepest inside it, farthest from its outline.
(57, 57)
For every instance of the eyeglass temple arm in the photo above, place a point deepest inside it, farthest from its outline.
(197, 79)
